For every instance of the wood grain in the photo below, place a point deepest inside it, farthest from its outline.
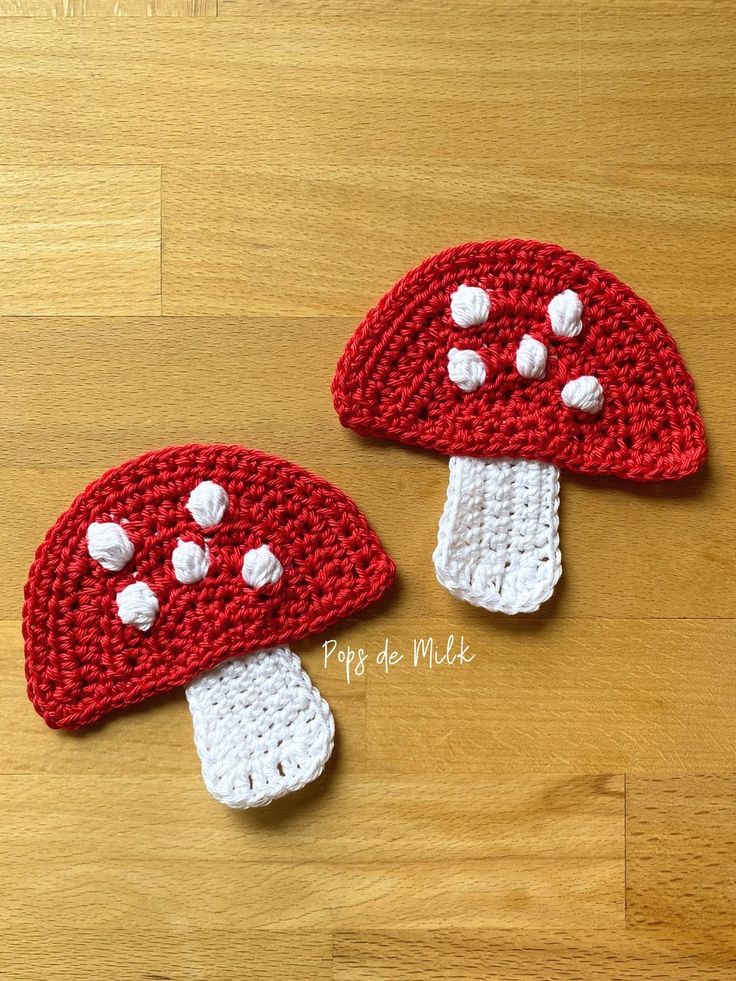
(565, 695)
(530, 955)
(283, 93)
(515, 851)
(169, 950)
(354, 227)
(560, 808)
(80, 240)
(108, 8)
(681, 867)
(509, 94)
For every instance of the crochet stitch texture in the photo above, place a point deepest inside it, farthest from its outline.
(516, 359)
(392, 381)
(499, 533)
(92, 645)
(271, 732)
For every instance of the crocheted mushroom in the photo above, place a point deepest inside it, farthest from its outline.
(517, 359)
(169, 569)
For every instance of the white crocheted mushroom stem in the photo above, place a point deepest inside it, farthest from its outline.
(261, 728)
(498, 545)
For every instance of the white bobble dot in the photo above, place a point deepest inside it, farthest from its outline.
(565, 313)
(108, 544)
(261, 567)
(207, 503)
(191, 562)
(584, 393)
(470, 306)
(531, 357)
(137, 605)
(466, 369)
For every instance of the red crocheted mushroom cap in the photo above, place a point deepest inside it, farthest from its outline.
(82, 660)
(393, 380)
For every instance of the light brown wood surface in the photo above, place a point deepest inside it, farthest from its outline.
(194, 214)
(108, 8)
(86, 240)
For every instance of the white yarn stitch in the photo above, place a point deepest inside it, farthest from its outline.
(498, 544)
(207, 503)
(137, 605)
(108, 544)
(262, 730)
(466, 369)
(584, 393)
(261, 567)
(191, 562)
(565, 313)
(470, 306)
(531, 357)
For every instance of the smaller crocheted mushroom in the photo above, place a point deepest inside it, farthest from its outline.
(518, 359)
(167, 572)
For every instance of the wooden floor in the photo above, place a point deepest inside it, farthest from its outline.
(198, 201)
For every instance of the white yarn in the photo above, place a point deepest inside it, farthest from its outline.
(498, 544)
(531, 357)
(565, 313)
(191, 562)
(584, 393)
(470, 306)
(466, 369)
(207, 503)
(108, 544)
(261, 728)
(137, 605)
(261, 567)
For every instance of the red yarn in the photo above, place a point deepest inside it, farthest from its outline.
(392, 380)
(82, 661)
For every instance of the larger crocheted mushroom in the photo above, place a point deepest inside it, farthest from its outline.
(517, 359)
(169, 569)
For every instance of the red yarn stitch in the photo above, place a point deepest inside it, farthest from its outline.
(82, 661)
(392, 381)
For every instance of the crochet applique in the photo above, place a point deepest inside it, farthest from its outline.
(166, 571)
(517, 359)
